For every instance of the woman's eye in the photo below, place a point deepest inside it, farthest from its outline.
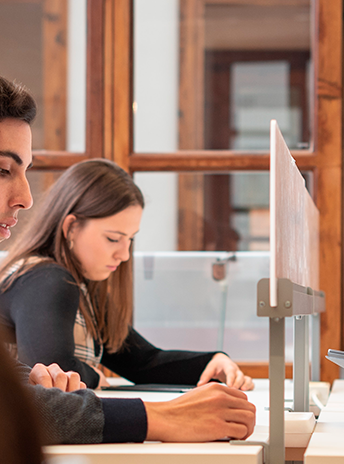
(112, 240)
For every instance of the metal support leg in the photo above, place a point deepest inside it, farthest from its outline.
(223, 309)
(301, 363)
(315, 352)
(276, 376)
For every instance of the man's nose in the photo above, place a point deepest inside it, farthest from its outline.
(21, 196)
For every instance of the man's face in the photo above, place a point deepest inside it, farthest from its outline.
(15, 159)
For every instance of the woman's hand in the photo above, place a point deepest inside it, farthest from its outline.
(102, 379)
(207, 413)
(222, 368)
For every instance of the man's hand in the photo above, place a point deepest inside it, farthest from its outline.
(206, 413)
(53, 376)
(222, 368)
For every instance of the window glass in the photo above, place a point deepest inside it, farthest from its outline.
(212, 75)
(43, 45)
(181, 301)
(209, 212)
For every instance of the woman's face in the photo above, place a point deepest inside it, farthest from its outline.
(101, 245)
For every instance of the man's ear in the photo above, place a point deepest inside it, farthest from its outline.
(67, 226)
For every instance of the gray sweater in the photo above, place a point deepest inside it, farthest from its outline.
(82, 417)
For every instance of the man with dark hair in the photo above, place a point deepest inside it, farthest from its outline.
(206, 413)
(16, 102)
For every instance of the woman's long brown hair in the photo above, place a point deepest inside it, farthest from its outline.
(91, 189)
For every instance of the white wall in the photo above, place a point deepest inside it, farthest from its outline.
(76, 77)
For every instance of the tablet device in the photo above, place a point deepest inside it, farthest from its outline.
(151, 387)
(336, 356)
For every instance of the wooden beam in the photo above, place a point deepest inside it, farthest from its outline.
(50, 160)
(108, 78)
(94, 79)
(260, 370)
(219, 160)
(329, 195)
(258, 2)
(117, 81)
(55, 73)
(122, 142)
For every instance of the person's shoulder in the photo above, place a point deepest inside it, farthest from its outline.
(48, 273)
(51, 268)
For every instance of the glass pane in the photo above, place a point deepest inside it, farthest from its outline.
(215, 78)
(43, 45)
(209, 212)
(204, 313)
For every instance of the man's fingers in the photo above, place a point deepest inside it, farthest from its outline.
(59, 377)
(54, 376)
(74, 382)
(40, 376)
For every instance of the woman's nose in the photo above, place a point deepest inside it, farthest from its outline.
(124, 252)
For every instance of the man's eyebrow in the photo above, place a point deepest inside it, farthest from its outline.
(15, 157)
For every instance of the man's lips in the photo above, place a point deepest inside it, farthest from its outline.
(10, 222)
(5, 227)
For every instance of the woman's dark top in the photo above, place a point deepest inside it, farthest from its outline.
(40, 309)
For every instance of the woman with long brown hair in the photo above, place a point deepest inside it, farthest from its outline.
(66, 289)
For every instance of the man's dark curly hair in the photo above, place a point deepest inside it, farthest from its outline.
(16, 102)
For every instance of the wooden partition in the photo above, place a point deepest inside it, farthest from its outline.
(294, 221)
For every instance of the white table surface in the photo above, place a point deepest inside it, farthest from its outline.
(178, 453)
(327, 443)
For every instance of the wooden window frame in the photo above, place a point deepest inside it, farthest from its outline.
(324, 159)
(109, 129)
(61, 159)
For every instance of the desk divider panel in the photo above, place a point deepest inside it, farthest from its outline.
(288, 215)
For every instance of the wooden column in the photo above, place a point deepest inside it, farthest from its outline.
(94, 79)
(117, 81)
(191, 116)
(329, 191)
(55, 73)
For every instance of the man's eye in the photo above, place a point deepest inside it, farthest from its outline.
(4, 172)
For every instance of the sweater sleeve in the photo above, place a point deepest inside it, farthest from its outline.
(81, 417)
(43, 305)
(141, 362)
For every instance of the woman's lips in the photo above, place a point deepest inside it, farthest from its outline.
(112, 268)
